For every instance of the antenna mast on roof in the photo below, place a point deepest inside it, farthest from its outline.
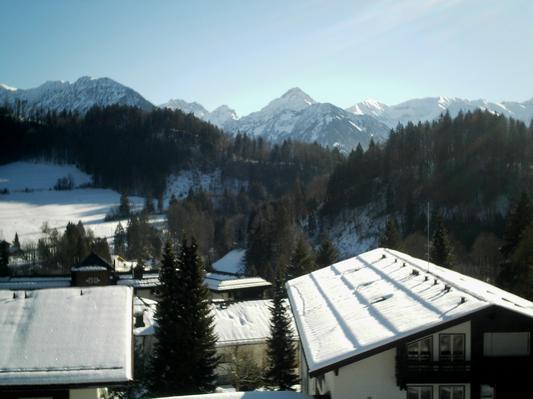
(428, 233)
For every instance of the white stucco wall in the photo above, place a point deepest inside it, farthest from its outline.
(370, 378)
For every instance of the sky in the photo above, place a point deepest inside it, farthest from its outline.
(246, 53)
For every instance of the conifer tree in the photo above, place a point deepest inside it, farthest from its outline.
(327, 254)
(149, 204)
(4, 259)
(167, 361)
(441, 250)
(195, 324)
(301, 261)
(391, 236)
(518, 218)
(281, 350)
(517, 273)
(101, 248)
(16, 242)
(119, 241)
(124, 207)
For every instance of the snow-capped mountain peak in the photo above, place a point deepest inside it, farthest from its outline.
(6, 87)
(368, 106)
(79, 96)
(297, 95)
(222, 115)
(188, 107)
(430, 108)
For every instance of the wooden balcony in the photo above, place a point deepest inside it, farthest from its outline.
(422, 372)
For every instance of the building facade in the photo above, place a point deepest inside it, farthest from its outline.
(419, 333)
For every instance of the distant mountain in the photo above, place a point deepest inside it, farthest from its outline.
(80, 95)
(221, 115)
(294, 115)
(218, 117)
(430, 108)
(197, 109)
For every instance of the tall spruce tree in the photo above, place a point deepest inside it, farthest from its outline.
(281, 349)
(441, 249)
(195, 324)
(301, 261)
(16, 242)
(515, 272)
(4, 259)
(391, 236)
(166, 361)
(119, 241)
(124, 207)
(327, 254)
(518, 219)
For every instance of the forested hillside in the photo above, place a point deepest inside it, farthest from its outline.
(135, 152)
(469, 169)
(295, 198)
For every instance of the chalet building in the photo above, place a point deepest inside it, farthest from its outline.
(65, 343)
(93, 270)
(384, 325)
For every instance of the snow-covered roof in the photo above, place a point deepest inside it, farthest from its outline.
(236, 323)
(58, 336)
(379, 297)
(232, 262)
(149, 280)
(226, 282)
(89, 268)
(248, 395)
(243, 322)
(33, 283)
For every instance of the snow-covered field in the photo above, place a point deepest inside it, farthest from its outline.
(24, 211)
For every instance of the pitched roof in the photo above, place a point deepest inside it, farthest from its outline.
(59, 337)
(232, 262)
(93, 260)
(379, 297)
(237, 323)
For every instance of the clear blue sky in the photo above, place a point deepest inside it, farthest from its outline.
(245, 53)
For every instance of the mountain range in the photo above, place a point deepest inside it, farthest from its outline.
(294, 115)
(79, 96)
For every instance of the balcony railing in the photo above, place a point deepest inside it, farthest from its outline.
(413, 371)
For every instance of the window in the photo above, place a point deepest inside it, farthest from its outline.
(452, 392)
(487, 392)
(452, 347)
(506, 344)
(421, 350)
(420, 392)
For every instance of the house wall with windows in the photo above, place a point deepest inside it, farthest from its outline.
(386, 325)
(376, 376)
